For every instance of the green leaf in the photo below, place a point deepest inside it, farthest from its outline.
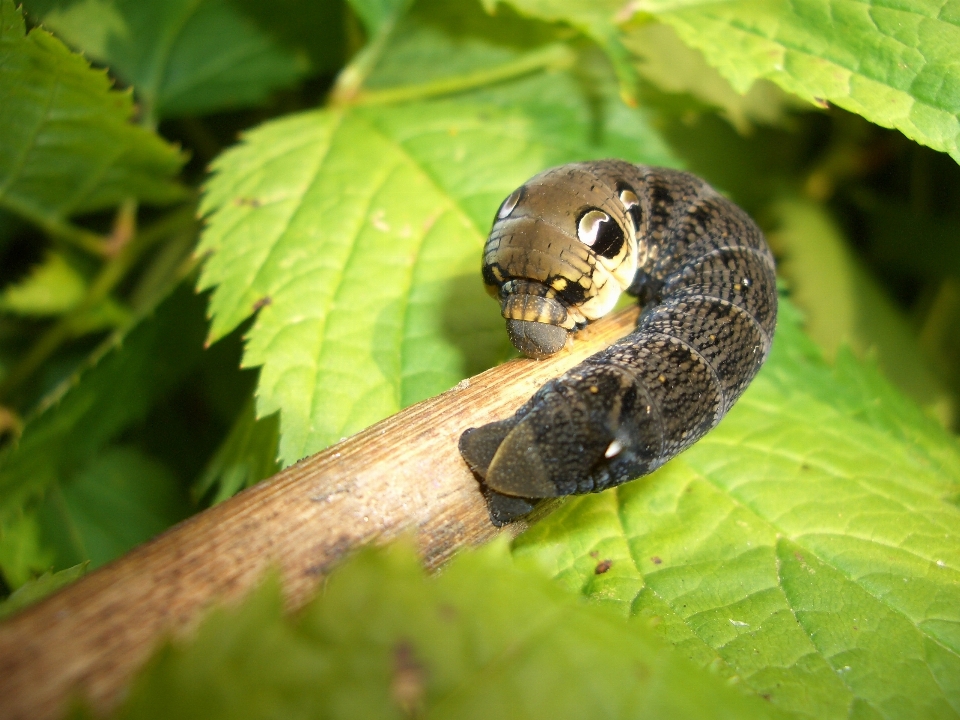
(807, 547)
(121, 499)
(247, 456)
(482, 640)
(356, 233)
(598, 20)
(181, 56)
(68, 145)
(37, 589)
(89, 412)
(893, 63)
(662, 59)
(52, 288)
(376, 14)
(844, 304)
(315, 29)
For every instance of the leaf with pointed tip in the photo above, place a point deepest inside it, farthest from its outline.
(808, 546)
(68, 144)
(91, 410)
(893, 63)
(356, 235)
(182, 57)
(52, 288)
(482, 640)
(247, 455)
(39, 588)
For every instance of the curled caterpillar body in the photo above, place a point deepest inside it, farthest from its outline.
(563, 247)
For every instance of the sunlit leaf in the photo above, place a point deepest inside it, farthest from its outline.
(356, 234)
(52, 288)
(893, 63)
(664, 60)
(808, 546)
(39, 588)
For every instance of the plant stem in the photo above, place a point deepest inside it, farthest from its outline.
(352, 77)
(62, 230)
(110, 275)
(555, 57)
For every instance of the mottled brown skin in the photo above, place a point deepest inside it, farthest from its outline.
(706, 282)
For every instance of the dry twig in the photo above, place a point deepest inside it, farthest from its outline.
(402, 475)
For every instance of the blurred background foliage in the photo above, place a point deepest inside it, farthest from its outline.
(865, 224)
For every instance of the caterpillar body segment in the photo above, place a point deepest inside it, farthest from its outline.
(563, 248)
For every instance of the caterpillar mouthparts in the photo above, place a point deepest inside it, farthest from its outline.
(563, 248)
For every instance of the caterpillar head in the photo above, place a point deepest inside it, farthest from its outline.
(562, 248)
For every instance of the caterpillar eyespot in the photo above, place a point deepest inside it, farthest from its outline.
(563, 248)
(510, 203)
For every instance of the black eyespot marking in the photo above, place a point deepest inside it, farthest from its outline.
(707, 321)
(588, 225)
(600, 232)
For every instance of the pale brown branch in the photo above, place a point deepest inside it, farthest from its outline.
(402, 476)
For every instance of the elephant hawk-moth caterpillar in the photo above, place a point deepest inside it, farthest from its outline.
(562, 249)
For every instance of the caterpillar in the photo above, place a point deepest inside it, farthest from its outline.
(564, 246)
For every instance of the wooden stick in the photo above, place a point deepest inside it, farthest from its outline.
(400, 476)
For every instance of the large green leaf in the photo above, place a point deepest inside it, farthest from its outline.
(483, 640)
(894, 63)
(121, 499)
(843, 304)
(68, 435)
(180, 56)
(356, 233)
(664, 60)
(68, 144)
(808, 546)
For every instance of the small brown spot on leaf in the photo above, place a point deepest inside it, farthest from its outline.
(603, 566)
(643, 672)
(247, 202)
(447, 612)
(408, 684)
(262, 302)
(656, 560)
